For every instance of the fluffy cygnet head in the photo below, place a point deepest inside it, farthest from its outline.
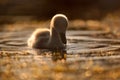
(60, 23)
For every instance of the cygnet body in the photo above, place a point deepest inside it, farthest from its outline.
(53, 38)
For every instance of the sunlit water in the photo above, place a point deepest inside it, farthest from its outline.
(83, 46)
(86, 44)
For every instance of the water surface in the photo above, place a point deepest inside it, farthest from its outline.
(89, 55)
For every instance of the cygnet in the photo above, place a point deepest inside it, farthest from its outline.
(53, 38)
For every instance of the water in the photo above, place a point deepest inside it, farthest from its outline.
(79, 42)
(95, 53)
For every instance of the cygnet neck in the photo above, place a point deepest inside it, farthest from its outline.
(54, 36)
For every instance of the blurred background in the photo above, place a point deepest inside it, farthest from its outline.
(45, 9)
(83, 14)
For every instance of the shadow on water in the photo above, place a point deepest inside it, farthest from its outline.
(56, 55)
(59, 56)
